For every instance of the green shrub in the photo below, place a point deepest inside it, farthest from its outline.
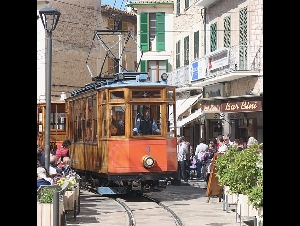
(242, 172)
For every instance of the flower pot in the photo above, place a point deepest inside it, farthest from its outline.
(70, 197)
(45, 213)
(242, 205)
(260, 215)
(252, 211)
(231, 197)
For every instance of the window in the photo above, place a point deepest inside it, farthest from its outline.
(94, 118)
(156, 68)
(89, 124)
(116, 96)
(187, 3)
(117, 120)
(243, 53)
(117, 25)
(227, 32)
(152, 31)
(77, 121)
(186, 50)
(178, 7)
(146, 94)
(178, 54)
(155, 115)
(196, 44)
(213, 37)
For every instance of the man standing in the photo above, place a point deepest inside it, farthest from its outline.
(182, 152)
(145, 125)
(201, 151)
(41, 155)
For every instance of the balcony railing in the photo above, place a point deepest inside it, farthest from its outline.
(240, 58)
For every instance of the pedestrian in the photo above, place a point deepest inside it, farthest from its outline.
(53, 168)
(222, 146)
(62, 152)
(41, 155)
(182, 152)
(200, 153)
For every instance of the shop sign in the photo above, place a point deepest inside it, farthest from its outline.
(197, 69)
(213, 91)
(217, 59)
(210, 108)
(242, 106)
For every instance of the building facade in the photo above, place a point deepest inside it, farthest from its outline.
(216, 64)
(89, 41)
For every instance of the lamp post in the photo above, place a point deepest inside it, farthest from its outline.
(49, 17)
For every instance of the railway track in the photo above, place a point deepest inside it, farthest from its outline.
(177, 205)
(145, 210)
(129, 210)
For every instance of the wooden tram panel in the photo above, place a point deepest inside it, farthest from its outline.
(110, 152)
(57, 136)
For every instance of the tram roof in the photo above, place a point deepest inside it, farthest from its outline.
(122, 79)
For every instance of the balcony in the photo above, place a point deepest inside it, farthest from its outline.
(237, 62)
(204, 3)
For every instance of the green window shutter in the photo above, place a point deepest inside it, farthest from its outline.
(143, 66)
(160, 31)
(144, 31)
(167, 65)
(213, 37)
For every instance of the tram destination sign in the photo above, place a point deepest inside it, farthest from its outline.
(241, 106)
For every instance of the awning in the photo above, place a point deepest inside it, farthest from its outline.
(190, 118)
(183, 105)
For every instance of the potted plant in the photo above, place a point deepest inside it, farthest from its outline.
(242, 172)
(45, 206)
(71, 196)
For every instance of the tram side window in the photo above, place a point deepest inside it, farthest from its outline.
(77, 120)
(83, 120)
(94, 109)
(104, 126)
(146, 119)
(89, 128)
(171, 118)
(117, 120)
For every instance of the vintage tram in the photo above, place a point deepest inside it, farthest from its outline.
(105, 150)
(57, 123)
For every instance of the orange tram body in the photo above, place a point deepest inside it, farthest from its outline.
(105, 150)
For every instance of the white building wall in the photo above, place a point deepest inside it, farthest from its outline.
(41, 51)
(158, 55)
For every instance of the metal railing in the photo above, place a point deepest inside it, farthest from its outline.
(241, 58)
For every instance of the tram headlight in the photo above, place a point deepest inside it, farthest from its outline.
(148, 161)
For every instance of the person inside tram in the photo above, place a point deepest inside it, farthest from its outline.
(145, 125)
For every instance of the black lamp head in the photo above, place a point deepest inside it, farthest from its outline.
(50, 17)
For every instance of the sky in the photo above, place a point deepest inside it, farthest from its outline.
(120, 4)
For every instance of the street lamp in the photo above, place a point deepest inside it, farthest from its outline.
(49, 17)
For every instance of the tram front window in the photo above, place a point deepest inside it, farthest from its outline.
(117, 121)
(147, 120)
